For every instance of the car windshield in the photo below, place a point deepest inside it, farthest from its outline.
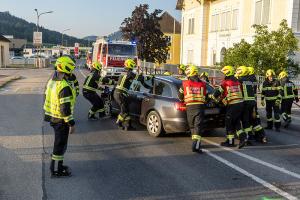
(122, 49)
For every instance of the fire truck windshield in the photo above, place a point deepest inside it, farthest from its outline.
(122, 49)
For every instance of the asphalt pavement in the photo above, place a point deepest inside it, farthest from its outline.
(111, 164)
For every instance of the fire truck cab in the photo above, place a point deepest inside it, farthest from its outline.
(112, 55)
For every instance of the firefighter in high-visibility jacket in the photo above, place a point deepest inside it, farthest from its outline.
(181, 69)
(204, 77)
(60, 99)
(231, 94)
(121, 93)
(90, 88)
(193, 93)
(259, 132)
(271, 97)
(289, 95)
(249, 100)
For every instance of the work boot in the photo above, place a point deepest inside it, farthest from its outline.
(63, 171)
(243, 140)
(228, 143)
(92, 117)
(196, 146)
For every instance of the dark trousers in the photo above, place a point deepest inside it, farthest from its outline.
(95, 100)
(257, 128)
(286, 109)
(195, 118)
(248, 116)
(270, 108)
(122, 100)
(61, 131)
(233, 119)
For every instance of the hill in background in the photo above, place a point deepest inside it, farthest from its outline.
(21, 29)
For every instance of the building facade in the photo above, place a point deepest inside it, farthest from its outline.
(4, 51)
(209, 27)
(172, 29)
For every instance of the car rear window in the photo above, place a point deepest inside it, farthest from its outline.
(138, 86)
(162, 89)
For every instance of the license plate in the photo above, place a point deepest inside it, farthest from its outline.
(120, 70)
(212, 111)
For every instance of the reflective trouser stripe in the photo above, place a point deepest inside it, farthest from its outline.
(247, 130)
(230, 137)
(257, 128)
(239, 132)
(58, 158)
(270, 119)
(196, 137)
(98, 111)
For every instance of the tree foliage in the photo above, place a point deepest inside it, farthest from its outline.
(270, 49)
(144, 28)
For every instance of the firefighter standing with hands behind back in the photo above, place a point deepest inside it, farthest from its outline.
(271, 97)
(59, 108)
(290, 94)
(193, 93)
(230, 91)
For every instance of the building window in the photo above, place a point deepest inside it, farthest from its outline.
(223, 21)
(262, 11)
(190, 57)
(235, 15)
(191, 26)
(222, 54)
(228, 20)
(169, 56)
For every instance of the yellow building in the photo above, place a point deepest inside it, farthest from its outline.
(209, 27)
(172, 29)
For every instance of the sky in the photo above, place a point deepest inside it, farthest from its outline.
(83, 17)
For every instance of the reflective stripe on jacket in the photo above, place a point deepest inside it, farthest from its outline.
(194, 92)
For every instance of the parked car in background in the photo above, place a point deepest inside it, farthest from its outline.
(160, 109)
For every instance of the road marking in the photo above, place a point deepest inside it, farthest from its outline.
(280, 169)
(253, 177)
(82, 72)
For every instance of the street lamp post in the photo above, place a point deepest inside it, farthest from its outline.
(62, 36)
(38, 17)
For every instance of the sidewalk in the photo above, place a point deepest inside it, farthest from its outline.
(4, 79)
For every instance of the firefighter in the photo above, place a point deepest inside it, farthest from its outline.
(231, 94)
(290, 94)
(90, 89)
(181, 69)
(121, 94)
(59, 104)
(249, 100)
(259, 132)
(193, 93)
(204, 77)
(271, 97)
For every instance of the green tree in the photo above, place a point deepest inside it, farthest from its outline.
(270, 49)
(144, 28)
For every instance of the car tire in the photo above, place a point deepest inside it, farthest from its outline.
(154, 124)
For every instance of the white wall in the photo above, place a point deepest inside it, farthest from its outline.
(4, 53)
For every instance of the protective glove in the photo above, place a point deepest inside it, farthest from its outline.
(211, 96)
(263, 103)
(278, 102)
(296, 99)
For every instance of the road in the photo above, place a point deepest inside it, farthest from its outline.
(112, 164)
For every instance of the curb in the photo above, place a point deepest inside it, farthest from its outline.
(8, 79)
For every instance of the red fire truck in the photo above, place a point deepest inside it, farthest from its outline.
(112, 55)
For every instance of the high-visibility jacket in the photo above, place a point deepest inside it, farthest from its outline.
(93, 80)
(125, 81)
(289, 89)
(230, 90)
(59, 105)
(194, 92)
(74, 83)
(248, 88)
(271, 90)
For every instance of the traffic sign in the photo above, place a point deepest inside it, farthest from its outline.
(37, 38)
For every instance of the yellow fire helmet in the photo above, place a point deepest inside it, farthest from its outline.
(97, 65)
(251, 70)
(65, 64)
(204, 74)
(129, 64)
(270, 72)
(191, 70)
(282, 75)
(182, 67)
(168, 73)
(227, 70)
(241, 71)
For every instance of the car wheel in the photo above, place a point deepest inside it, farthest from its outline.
(154, 124)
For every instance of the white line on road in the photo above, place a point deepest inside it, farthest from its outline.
(280, 169)
(253, 177)
(82, 73)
